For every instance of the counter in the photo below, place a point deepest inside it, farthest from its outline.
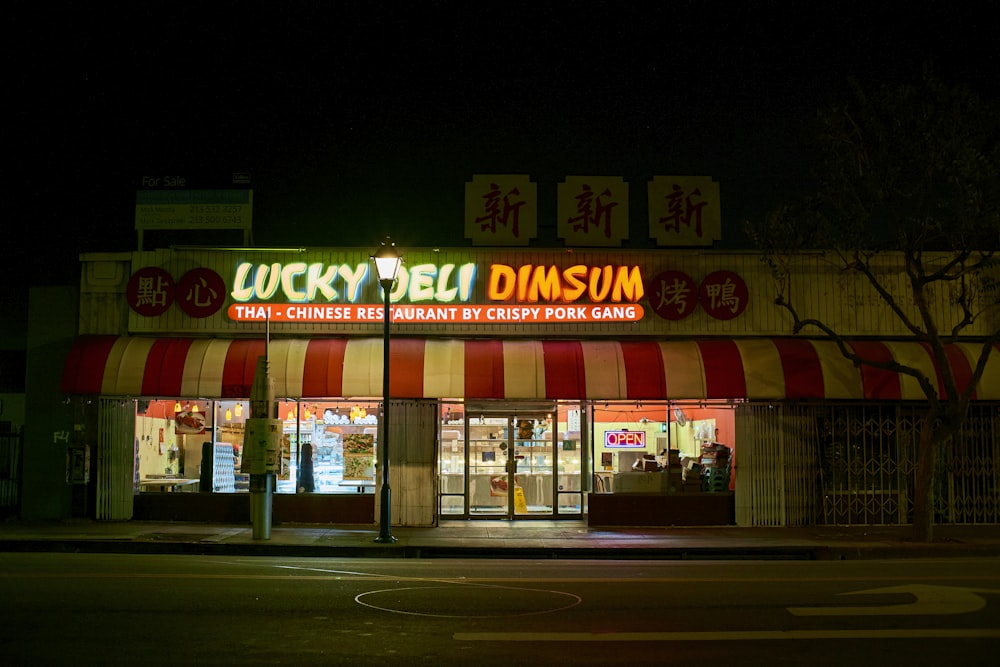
(167, 484)
(656, 499)
(661, 509)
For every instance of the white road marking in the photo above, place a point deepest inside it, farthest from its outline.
(929, 600)
(728, 635)
(573, 601)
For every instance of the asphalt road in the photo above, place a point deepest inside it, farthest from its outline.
(83, 609)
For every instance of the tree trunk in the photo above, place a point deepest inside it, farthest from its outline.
(923, 491)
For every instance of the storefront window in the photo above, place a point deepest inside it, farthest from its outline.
(170, 437)
(197, 445)
(331, 446)
(692, 443)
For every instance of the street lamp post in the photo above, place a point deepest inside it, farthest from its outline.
(387, 262)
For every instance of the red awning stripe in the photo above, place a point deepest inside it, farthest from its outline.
(166, 359)
(723, 369)
(800, 368)
(324, 367)
(758, 369)
(961, 368)
(174, 359)
(153, 367)
(484, 370)
(879, 384)
(406, 366)
(643, 366)
(240, 366)
(84, 369)
(565, 369)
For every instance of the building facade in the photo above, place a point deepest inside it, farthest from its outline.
(525, 384)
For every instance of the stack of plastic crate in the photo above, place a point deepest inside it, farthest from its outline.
(223, 469)
(716, 479)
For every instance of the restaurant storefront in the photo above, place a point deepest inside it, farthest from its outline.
(626, 387)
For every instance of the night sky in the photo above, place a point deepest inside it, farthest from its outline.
(360, 119)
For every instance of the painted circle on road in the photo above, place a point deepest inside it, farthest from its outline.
(476, 601)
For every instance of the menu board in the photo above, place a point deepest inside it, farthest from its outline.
(359, 456)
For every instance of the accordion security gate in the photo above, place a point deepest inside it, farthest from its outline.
(967, 489)
(11, 446)
(853, 464)
(115, 459)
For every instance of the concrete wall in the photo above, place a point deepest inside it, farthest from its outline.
(50, 421)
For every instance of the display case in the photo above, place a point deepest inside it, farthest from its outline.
(489, 445)
(342, 456)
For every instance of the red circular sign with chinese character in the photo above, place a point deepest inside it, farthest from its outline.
(201, 292)
(723, 295)
(150, 291)
(673, 295)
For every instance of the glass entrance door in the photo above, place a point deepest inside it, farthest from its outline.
(510, 461)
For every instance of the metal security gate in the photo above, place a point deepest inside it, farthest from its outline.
(775, 465)
(853, 464)
(824, 464)
(11, 448)
(412, 438)
(967, 488)
(867, 455)
(115, 459)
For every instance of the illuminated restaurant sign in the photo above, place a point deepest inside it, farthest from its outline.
(487, 293)
(405, 313)
(549, 283)
(516, 294)
(299, 282)
(625, 439)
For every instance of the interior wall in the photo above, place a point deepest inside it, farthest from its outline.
(158, 453)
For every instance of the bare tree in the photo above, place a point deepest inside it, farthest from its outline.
(907, 177)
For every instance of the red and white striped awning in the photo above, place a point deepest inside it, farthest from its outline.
(758, 369)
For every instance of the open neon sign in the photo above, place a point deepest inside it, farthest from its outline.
(625, 439)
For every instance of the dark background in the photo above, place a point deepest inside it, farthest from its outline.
(361, 119)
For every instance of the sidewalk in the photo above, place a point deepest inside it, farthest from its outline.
(499, 539)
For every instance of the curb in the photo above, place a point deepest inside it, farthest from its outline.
(681, 553)
(130, 546)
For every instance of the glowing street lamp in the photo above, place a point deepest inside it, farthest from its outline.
(387, 261)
